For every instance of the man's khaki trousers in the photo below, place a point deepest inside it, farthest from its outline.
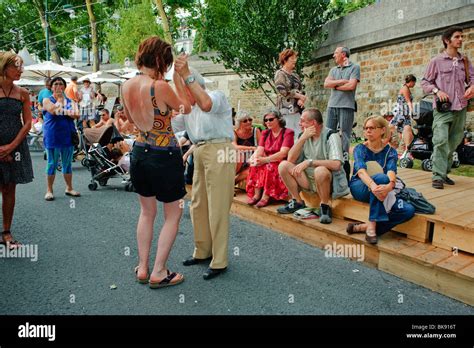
(212, 195)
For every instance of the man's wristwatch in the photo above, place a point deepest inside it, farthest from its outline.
(190, 79)
(435, 90)
(310, 162)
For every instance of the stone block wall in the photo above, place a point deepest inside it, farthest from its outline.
(253, 101)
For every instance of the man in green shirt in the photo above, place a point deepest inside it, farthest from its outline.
(311, 164)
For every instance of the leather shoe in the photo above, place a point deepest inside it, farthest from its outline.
(449, 181)
(213, 272)
(192, 261)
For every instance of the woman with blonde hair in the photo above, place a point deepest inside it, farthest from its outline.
(15, 123)
(373, 181)
(246, 138)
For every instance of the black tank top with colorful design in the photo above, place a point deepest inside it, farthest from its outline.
(161, 135)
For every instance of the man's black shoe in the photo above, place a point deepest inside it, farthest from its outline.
(213, 272)
(448, 181)
(192, 261)
(291, 207)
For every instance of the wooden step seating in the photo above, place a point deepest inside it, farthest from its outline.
(452, 226)
(451, 274)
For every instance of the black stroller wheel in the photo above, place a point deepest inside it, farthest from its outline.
(129, 187)
(92, 186)
(427, 165)
(85, 162)
(103, 182)
(406, 163)
(456, 161)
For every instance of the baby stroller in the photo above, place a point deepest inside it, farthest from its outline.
(99, 161)
(421, 147)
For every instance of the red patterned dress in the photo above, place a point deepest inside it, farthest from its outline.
(266, 176)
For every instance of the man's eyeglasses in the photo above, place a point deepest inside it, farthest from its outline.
(269, 119)
(247, 120)
(371, 128)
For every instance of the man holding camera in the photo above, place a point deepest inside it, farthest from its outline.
(450, 77)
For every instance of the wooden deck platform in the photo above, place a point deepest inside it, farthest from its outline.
(435, 251)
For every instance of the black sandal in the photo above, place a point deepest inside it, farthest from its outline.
(350, 229)
(167, 281)
(11, 244)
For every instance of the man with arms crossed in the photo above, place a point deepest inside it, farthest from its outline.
(342, 80)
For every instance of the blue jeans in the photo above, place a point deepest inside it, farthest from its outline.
(401, 211)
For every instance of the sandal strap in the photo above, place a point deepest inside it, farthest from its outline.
(168, 278)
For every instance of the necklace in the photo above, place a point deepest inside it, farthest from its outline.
(11, 89)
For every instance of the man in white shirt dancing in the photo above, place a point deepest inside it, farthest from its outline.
(209, 126)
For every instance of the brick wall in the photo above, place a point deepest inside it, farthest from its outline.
(382, 73)
(253, 101)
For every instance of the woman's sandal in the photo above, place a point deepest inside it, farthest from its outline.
(141, 280)
(72, 193)
(252, 201)
(48, 196)
(352, 227)
(263, 203)
(168, 281)
(10, 244)
(372, 237)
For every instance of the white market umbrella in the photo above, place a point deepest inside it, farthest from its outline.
(168, 75)
(102, 77)
(121, 71)
(27, 58)
(50, 69)
(28, 82)
(130, 74)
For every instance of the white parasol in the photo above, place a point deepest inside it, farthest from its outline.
(50, 69)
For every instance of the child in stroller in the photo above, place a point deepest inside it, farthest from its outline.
(101, 159)
(422, 145)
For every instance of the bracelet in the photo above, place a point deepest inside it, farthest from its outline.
(370, 184)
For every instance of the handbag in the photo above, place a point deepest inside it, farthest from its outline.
(373, 167)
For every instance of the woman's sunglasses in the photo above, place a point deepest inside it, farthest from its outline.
(371, 128)
(247, 120)
(269, 119)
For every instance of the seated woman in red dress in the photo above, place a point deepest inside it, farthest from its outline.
(264, 182)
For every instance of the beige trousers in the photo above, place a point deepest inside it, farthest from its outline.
(212, 195)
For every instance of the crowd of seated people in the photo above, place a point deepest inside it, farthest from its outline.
(279, 169)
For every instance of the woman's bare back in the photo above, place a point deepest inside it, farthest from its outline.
(138, 100)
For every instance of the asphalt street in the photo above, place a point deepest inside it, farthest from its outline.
(87, 252)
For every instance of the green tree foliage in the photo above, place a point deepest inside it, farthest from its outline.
(21, 26)
(343, 7)
(136, 23)
(249, 34)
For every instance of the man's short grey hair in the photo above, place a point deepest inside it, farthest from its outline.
(346, 51)
(241, 115)
(198, 77)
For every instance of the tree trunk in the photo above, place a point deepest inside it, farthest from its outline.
(55, 57)
(165, 22)
(201, 38)
(95, 42)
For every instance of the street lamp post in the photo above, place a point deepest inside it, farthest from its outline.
(47, 28)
